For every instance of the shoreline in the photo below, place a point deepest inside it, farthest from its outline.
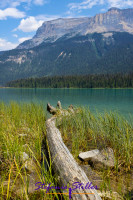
(62, 88)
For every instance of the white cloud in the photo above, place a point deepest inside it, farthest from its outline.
(15, 35)
(13, 3)
(6, 45)
(120, 3)
(11, 12)
(88, 4)
(47, 17)
(39, 2)
(23, 39)
(103, 10)
(29, 24)
(26, 3)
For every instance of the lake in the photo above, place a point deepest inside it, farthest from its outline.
(120, 100)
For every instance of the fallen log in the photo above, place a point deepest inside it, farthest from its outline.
(66, 167)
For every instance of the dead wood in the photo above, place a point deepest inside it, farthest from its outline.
(65, 165)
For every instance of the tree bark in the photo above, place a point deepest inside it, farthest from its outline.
(65, 165)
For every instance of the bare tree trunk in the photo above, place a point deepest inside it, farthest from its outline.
(65, 165)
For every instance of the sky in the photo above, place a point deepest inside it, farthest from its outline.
(20, 19)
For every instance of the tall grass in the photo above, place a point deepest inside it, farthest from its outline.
(22, 131)
(84, 131)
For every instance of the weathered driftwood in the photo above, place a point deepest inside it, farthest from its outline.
(51, 109)
(59, 105)
(65, 165)
(59, 109)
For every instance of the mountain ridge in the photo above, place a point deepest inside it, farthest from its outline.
(65, 51)
(118, 20)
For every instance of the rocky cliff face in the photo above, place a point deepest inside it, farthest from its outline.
(114, 20)
(50, 31)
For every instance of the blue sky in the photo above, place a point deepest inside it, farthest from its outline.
(19, 19)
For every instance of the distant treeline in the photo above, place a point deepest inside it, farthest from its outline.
(86, 81)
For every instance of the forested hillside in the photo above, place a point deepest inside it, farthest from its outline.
(95, 53)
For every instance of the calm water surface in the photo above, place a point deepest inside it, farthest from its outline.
(120, 100)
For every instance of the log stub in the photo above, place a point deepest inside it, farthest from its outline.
(51, 109)
(59, 105)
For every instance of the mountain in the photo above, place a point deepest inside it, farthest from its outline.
(114, 20)
(50, 31)
(97, 45)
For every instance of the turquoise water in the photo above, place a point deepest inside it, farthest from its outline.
(120, 100)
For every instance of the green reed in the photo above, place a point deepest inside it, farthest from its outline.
(22, 129)
(84, 131)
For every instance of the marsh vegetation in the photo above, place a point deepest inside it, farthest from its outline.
(84, 131)
(22, 160)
